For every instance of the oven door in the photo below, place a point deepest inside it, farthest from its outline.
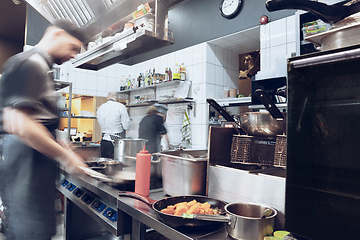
(323, 167)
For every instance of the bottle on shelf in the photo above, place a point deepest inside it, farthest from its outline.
(122, 83)
(138, 80)
(133, 83)
(142, 80)
(170, 78)
(176, 68)
(146, 79)
(166, 75)
(182, 72)
(176, 72)
(128, 82)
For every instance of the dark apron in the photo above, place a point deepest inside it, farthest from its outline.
(27, 180)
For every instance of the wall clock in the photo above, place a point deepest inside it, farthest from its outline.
(230, 8)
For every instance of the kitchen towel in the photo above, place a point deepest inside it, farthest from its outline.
(186, 130)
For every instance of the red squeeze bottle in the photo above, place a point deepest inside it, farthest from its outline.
(142, 173)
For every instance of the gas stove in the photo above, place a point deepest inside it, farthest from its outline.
(91, 210)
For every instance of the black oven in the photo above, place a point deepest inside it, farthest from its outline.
(323, 142)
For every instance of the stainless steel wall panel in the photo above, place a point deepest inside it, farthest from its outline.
(72, 13)
(56, 8)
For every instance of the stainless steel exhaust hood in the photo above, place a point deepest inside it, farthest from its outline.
(103, 22)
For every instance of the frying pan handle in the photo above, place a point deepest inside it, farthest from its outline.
(218, 108)
(214, 218)
(137, 196)
(327, 13)
(269, 104)
(224, 113)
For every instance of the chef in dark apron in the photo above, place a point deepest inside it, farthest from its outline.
(152, 128)
(28, 119)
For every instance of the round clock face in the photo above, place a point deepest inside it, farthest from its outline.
(230, 8)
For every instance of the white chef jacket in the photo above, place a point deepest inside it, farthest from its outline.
(113, 118)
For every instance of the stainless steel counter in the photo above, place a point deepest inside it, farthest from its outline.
(131, 213)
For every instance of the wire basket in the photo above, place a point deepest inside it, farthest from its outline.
(241, 149)
(280, 155)
(251, 150)
(262, 152)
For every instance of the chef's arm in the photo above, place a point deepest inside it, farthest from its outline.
(167, 139)
(35, 135)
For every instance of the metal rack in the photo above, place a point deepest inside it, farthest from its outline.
(61, 85)
(152, 101)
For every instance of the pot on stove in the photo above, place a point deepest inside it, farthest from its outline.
(244, 220)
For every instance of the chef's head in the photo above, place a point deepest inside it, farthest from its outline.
(113, 96)
(159, 109)
(62, 41)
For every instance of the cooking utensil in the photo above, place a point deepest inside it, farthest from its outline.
(280, 127)
(184, 172)
(113, 170)
(177, 221)
(108, 166)
(345, 19)
(128, 147)
(327, 13)
(225, 114)
(245, 221)
(96, 175)
(258, 124)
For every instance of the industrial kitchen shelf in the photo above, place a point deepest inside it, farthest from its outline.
(164, 84)
(143, 104)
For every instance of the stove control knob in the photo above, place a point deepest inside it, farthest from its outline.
(110, 213)
(97, 204)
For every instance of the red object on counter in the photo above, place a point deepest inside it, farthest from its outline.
(142, 173)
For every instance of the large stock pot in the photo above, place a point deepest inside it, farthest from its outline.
(125, 151)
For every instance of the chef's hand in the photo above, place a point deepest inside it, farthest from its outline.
(72, 162)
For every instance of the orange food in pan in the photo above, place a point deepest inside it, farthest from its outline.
(192, 207)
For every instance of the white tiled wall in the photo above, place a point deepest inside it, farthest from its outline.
(277, 43)
(208, 67)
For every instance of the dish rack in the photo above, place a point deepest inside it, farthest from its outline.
(251, 150)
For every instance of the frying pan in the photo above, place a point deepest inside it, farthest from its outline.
(178, 221)
(327, 13)
(345, 20)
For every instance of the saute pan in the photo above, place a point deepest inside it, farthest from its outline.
(178, 221)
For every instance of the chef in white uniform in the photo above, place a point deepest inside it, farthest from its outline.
(114, 120)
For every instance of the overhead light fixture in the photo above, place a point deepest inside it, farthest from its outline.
(17, 2)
